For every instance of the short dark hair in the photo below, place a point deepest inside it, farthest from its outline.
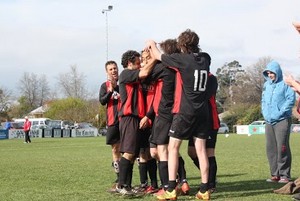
(129, 56)
(110, 62)
(169, 46)
(188, 42)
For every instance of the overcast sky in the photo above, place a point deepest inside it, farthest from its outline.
(48, 36)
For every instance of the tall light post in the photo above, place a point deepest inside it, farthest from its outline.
(109, 8)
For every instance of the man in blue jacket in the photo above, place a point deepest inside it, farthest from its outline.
(277, 102)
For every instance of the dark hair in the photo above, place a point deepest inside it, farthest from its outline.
(169, 46)
(188, 42)
(110, 62)
(129, 56)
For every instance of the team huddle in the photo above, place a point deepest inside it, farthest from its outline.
(166, 94)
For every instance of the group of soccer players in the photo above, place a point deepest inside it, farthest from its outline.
(162, 98)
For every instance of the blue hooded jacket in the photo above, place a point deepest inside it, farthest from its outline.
(278, 98)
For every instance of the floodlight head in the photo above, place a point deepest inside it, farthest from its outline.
(103, 11)
(110, 8)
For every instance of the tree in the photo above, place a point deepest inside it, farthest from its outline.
(73, 83)
(20, 110)
(227, 77)
(73, 109)
(250, 85)
(5, 95)
(33, 89)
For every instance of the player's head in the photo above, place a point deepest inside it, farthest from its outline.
(169, 46)
(131, 60)
(111, 68)
(145, 57)
(188, 42)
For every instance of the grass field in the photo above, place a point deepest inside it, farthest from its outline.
(80, 169)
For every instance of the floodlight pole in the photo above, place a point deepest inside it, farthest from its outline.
(109, 8)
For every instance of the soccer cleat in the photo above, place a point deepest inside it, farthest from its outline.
(150, 190)
(124, 191)
(185, 188)
(159, 192)
(203, 196)
(140, 188)
(113, 189)
(167, 196)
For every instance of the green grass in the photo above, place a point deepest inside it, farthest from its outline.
(80, 169)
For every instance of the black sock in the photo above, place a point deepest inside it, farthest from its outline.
(143, 172)
(152, 169)
(212, 171)
(196, 162)
(181, 169)
(163, 172)
(124, 166)
(172, 185)
(129, 175)
(203, 187)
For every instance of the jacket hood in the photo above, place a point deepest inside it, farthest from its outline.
(274, 67)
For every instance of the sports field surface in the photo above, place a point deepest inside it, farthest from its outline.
(79, 169)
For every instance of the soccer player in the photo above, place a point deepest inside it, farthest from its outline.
(147, 164)
(214, 124)
(132, 110)
(109, 96)
(190, 107)
(163, 105)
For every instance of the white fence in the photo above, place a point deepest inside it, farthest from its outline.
(53, 133)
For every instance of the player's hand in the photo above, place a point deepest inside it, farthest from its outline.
(144, 122)
(149, 44)
(289, 80)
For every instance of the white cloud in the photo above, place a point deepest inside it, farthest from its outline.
(49, 36)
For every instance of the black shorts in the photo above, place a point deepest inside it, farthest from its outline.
(113, 135)
(210, 141)
(184, 126)
(160, 131)
(130, 135)
(144, 141)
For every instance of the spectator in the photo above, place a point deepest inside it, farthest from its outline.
(278, 100)
(7, 125)
(27, 125)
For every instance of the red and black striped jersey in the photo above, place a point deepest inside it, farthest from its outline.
(212, 87)
(112, 102)
(164, 93)
(131, 92)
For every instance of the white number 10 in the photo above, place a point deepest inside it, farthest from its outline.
(200, 80)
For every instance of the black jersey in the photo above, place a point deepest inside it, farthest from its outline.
(164, 93)
(131, 93)
(112, 102)
(193, 74)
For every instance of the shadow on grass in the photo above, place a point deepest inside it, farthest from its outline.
(246, 188)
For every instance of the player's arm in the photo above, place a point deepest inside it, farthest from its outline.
(295, 85)
(297, 26)
(145, 71)
(154, 51)
(104, 94)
